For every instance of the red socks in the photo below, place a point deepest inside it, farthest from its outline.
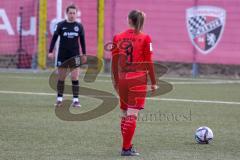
(128, 125)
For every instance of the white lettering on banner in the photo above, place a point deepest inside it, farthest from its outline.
(6, 23)
(32, 28)
(31, 31)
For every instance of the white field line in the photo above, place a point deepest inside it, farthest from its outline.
(180, 78)
(151, 98)
(195, 101)
(190, 82)
(210, 81)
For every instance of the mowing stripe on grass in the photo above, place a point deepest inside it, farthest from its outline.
(150, 98)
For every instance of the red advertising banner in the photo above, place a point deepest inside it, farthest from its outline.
(184, 30)
(10, 23)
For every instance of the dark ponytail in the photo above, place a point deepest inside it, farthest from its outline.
(137, 19)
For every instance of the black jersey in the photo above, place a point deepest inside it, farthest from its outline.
(70, 33)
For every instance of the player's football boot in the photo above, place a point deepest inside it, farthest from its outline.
(58, 104)
(129, 152)
(76, 104)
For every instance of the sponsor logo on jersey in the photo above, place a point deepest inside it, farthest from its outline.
(70, 34)
(205, 25)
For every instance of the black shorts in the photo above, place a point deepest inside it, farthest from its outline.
(71, 62)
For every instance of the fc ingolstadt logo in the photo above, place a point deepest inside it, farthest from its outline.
(205, 25)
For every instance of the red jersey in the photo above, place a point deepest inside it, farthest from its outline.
(136, 48)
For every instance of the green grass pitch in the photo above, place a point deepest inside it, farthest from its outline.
(30, 130)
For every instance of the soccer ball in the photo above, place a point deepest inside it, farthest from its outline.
(203, 135)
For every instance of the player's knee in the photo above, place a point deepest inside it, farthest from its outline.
(74, 78)
(61, 77)
(75, 75)
(62, 74)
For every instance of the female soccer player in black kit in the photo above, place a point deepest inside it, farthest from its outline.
(70, 33)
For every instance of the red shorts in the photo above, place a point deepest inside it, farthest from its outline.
(132, 90)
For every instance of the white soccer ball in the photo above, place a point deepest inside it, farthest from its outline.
(203, 135)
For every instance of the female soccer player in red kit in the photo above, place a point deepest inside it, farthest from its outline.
(131, 64)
